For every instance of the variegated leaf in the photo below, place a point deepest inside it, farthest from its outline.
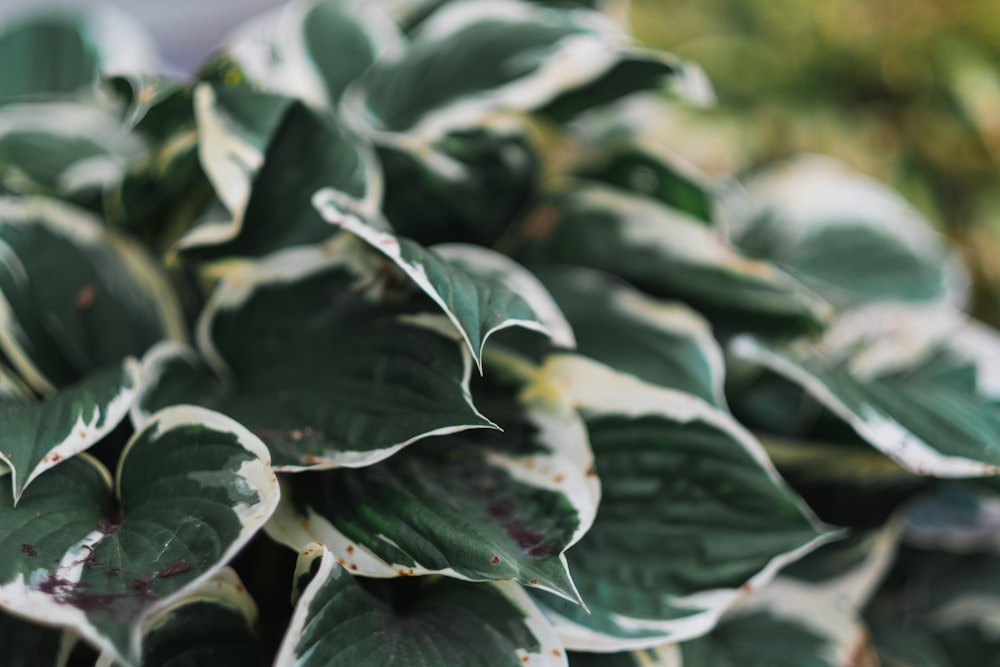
(470, 60)
(692, 516)
(786, 624)
(938, 610)
(37, 436)
(668, 254)
(305, 151)
(651, 173)
(341, 369)
(663, 343)
(477, 505)
(845, 235)
(808, 618)
(74, 296)
(919, 383)
(958, 517)
(479, 290)
(312, 50)
(483, 179)
(191, 489)
(235, 126)
(71, 149)
(146, 96)
(46, 55)
(212, 626)
(337, 621)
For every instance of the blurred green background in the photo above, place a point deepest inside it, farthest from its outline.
(908, 91)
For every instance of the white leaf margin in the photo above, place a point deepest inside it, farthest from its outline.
(19, 597)
(897, 336)
(551, 653)
(84, 230)
(83, 435)
(599, 390)
(223, 589)
(812, 193)
(464, 260)
(567, 470)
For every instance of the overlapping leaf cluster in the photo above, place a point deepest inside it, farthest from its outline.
(418, 291)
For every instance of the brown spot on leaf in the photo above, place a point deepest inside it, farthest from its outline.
(557, 653)
(495, 560)
(29, 550)
(540, 222)
(526, 659)
(558, 479)
(350, 549)
(591, 470)
(174, 568)
(746, 588)
(84, 298)
(533, 582)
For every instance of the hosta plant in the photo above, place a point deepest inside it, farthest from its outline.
(397, 335)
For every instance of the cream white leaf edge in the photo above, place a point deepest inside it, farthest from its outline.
(19, 597)
(600, 390)
(550, 653)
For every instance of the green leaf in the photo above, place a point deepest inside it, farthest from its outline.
(11, 386)
(668, 254)
(212, 626)
(74, 296)
(786, 624)
(479, 180)
(305, 152)
(845, 235)
(477, 505)
(951, 605)
(472, 59)
(45, 56)
(166, 192)
(151, 102)
(64, 148)
(692, 513)
(446, 622)
(192, 488)
(849, 571)
(479, 290)
(37, 436)
(49, 54)
(956, 517)
(339, 372)
(28, 644)
(663, 343)
(235, 126)
(343, 38)
(618, 151)
(919, 383)
(312, 50)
